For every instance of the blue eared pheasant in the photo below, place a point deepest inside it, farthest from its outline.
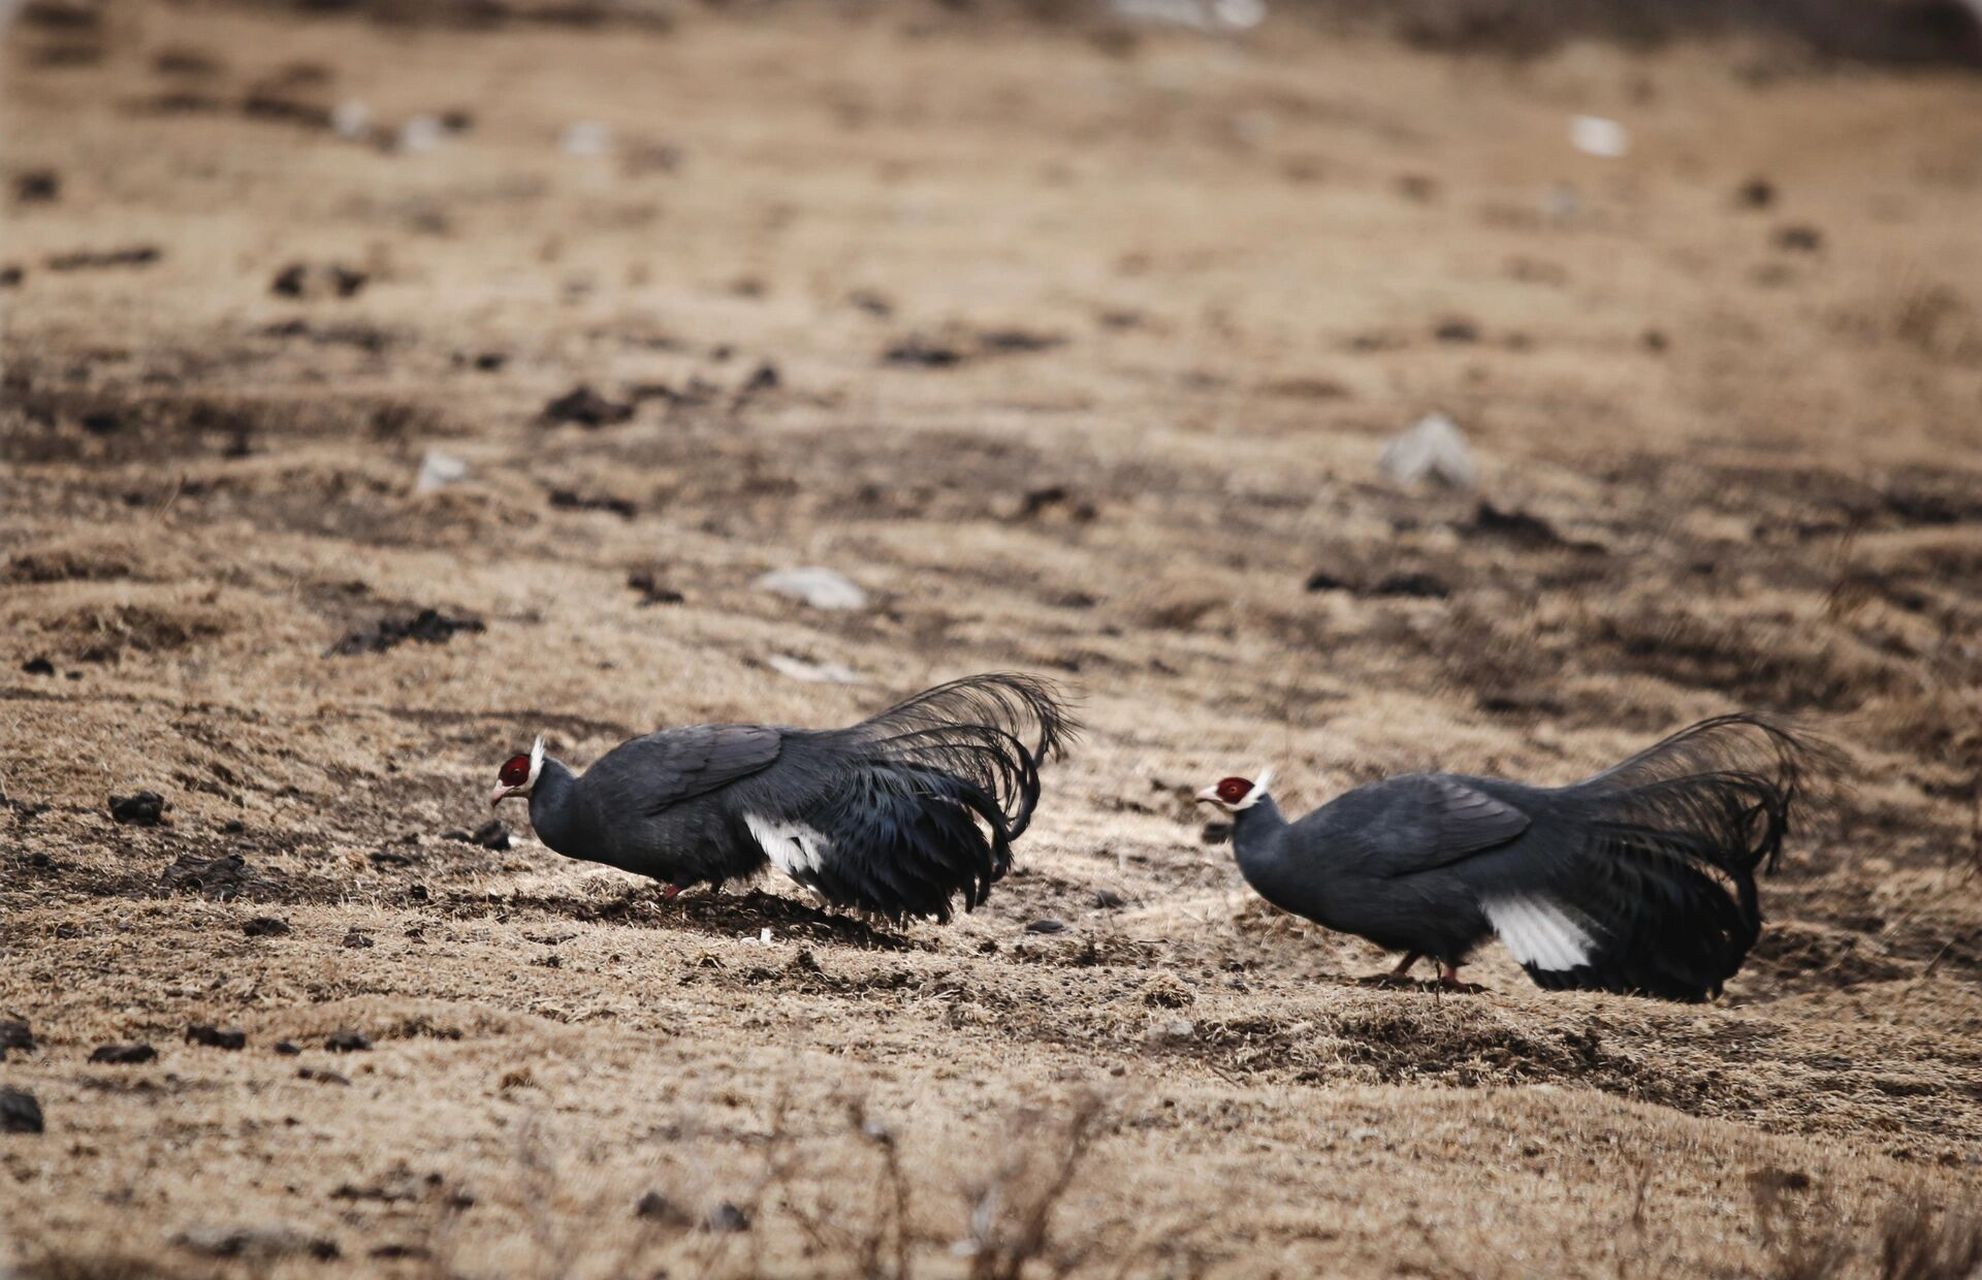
(1638, 880)
(897, 815)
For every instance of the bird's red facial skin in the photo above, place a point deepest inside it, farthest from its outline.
(1233, 790)
(515, 771)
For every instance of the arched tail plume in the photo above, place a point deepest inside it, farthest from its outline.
(1669, 845)
(940, 786)
(993, 731)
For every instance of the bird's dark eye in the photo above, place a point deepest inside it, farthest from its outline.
(1233, 790)
(515, 771)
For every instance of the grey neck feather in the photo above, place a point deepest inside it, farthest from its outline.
(1258, 842)
(552, 812)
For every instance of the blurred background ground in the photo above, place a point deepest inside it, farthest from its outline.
(1073, 340)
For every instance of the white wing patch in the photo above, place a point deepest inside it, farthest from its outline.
(795, 848)
(1540, 932)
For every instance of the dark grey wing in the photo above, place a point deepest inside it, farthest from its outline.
(1417, 823)
(653, 774)
(660, 805)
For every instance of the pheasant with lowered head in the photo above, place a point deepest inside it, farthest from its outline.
(1638, 880)
(897, 815)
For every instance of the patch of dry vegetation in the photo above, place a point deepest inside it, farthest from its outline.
(942, 303)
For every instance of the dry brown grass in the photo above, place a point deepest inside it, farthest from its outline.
(1750, 477)
(1911, 1238)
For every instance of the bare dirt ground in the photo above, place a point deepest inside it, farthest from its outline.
(1076, 350)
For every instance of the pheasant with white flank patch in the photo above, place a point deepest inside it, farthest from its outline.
(1638, 880)
(898, 815)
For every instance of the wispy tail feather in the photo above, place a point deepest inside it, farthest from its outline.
(1004, 699)
(1729, 784)
(1674, 837)
(907, 841)
(941, 785)
(976, 729)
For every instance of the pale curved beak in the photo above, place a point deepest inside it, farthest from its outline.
(500, 794)
(1209, 796)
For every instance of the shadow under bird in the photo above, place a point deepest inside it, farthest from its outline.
(1638, 880)
(897, 815)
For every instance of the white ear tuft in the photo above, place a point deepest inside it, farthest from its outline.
(1264, 782)
(536, 760)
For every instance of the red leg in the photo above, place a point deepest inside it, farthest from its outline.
(668, 891)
